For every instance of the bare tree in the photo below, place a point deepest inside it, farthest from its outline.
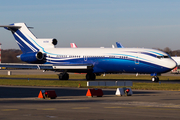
(9, 56)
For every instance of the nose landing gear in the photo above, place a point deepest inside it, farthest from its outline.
(63, 76)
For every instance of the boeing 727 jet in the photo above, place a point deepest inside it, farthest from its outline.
(42, 54)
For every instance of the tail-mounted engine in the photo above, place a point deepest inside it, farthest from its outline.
(54, 41)
(35, 57)
(47, 43)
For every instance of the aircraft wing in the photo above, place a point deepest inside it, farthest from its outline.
(48, 66)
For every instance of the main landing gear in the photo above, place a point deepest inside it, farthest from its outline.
(63, 76)
(155, 79)
(90, 76)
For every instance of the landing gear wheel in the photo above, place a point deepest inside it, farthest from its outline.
(63, 76)
(155, 79)
(90, 76)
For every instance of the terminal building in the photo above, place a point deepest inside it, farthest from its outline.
(0, 54)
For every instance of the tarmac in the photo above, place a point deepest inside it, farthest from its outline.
(22, 102)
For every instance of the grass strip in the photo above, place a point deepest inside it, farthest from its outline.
(54, 83)
(77, 79)
(69, 83)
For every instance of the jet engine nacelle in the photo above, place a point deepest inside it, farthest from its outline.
(47, 43)
(34, 57)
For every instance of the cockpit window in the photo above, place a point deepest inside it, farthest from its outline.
(160, 57)
(166, 56)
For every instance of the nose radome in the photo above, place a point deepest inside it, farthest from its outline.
(172, 64)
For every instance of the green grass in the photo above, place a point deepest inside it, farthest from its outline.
(55, 83)
(76, 79)
(108, 76)
(28, 76)
(156, 86)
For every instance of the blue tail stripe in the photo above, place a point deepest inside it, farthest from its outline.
(24, 48)
(119, 45)
(29, 42)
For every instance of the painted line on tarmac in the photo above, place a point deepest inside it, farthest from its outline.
(78, 108)
(157, 108)
(115, 107)
(9, 109)
(47, 109)
(143, 107)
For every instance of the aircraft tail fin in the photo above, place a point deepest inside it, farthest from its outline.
(26, 40)
(119, 45)
(73, 45)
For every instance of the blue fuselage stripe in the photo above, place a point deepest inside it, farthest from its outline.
(115, 65)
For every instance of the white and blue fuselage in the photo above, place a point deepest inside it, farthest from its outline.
(102, 60)
(109, 60)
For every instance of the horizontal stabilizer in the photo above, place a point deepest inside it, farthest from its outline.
(9, 27)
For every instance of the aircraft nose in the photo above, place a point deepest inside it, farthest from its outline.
(172, 64)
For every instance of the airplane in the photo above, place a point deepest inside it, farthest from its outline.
(42, 54)
(177, 59)
(119, 45)
(73, 45)
(176, 69)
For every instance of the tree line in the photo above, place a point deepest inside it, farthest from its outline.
(9, 55)
(170, 52)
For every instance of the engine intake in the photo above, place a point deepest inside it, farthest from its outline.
(47, 43)
(39, 55)
(54, 42)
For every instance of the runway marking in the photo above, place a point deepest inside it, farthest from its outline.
(9, 109)
(47, 109)
(156, 108)
(115, 107)
(81, 108)
(142, 107)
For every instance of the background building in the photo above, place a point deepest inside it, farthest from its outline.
(0, 54)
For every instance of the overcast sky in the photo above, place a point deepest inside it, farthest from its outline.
(96, 23)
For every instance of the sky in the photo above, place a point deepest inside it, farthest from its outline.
(96, 23)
